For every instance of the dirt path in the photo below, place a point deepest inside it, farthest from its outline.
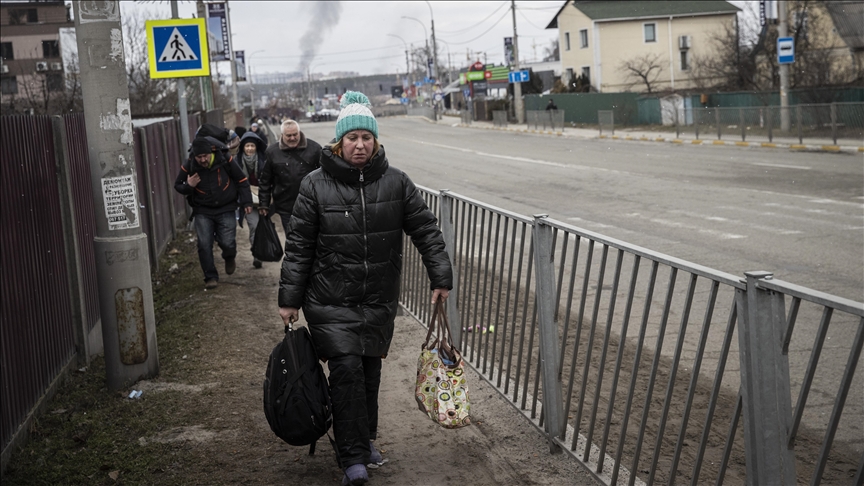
(230, 335)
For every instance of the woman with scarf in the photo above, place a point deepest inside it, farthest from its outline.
(252, 163)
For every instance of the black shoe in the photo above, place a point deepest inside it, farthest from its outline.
(256, 263)
(211, 283)
(230, 266)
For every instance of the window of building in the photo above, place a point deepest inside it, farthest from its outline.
(21, 16)
(54, 82)
(685, 61)
(9, 85)
(566, 41)
(583, 38)
(570, 75)
(6, 51)
(650, 32)
(50, 49)
(586, 73)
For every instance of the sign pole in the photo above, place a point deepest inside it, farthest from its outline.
(233, 59)
(517, 87)
(782, 31)
(181, 94)
(119, 243)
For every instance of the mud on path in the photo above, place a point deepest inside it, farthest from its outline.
(231, 335)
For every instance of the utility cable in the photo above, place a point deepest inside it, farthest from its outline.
(526, 19)
(475, 25)
(484, 33)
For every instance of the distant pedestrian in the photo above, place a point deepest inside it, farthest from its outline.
(342, 266)
(288, 162)
(258, 129)
(551, 106)
(215, 186)
(233, 143)
(252, 162)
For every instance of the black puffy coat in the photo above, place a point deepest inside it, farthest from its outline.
(279, 182)
(343, 253)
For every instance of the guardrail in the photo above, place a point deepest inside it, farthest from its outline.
(551, 119)
(499, 118)
(625, 390)
(424, 111)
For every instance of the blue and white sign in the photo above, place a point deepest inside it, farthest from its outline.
(518, 76)
(785, 50)
(177, 48)
(404, 101)
(466, 93)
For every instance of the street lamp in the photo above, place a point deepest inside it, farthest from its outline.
(407, 64)
(425, 32)
(434, 44)
(251, 82)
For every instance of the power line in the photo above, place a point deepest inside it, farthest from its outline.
(475, 25)
(526, 19)
(484, 33)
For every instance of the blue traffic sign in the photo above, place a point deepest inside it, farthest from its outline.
(785, 50)
(177, 48)
(518, 76)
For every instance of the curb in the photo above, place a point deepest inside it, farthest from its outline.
(701, 142)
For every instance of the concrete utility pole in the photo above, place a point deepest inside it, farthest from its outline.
(120, 246)
(517, 87)
(783, 31)
(181, 94)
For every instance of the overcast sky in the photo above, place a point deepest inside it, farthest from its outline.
(352, 36)
(285, 36)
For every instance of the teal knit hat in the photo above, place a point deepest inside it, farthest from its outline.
(355, 115)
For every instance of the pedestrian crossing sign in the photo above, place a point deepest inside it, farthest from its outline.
(177, 48)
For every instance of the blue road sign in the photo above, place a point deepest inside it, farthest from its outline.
(404, 101)
(518, 76)
(177, 48)
(466, 93)
(785, 50)
(418, 83)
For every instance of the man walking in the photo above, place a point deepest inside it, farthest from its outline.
(215, 186)
(288, 162)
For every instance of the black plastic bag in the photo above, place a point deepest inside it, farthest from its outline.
(267, 246)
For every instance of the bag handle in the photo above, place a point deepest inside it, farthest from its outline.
(440, 325)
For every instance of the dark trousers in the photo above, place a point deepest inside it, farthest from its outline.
(222, 228)
(354, 383)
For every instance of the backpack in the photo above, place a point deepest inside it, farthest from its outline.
(296, 394)
(210, 130)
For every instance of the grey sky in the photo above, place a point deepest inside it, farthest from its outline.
(358, 41)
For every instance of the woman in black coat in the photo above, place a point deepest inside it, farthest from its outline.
(342, 266)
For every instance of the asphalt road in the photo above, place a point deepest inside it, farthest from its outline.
(799, 215)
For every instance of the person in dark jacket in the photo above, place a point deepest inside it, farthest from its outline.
(342, 265)
(257, 128)
(288, 162)
(214, 186)
(252, 161)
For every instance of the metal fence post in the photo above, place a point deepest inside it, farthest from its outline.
(169, 182)
(798, 122)
(696, 121)
(553, 403)
(834, 122)
(677, 123)
(765, 385)
(72, 249)
(768, 122)
(717, 120)
(447, 230)
(741, 122)
(147, 198)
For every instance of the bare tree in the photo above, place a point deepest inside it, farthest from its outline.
(643, 69)
(551, 52)
(146, 95)
(47, 93)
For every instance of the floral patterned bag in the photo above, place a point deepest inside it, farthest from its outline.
(441, 390)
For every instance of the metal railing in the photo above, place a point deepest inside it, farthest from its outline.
(424, 111)
(499, 118)
(626, 358)
(606, 119)
(833, 121)
(547, 119)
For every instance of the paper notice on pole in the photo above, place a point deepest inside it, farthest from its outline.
(121, 202)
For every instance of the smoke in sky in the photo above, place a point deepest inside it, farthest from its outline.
(325, 16)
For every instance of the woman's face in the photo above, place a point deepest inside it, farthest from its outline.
(357, 147)
(250, 148)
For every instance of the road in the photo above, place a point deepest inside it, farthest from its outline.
(799, 215)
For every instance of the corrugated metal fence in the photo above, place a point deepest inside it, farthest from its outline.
(648, 368)
(50, 302)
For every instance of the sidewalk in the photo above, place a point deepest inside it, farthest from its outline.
(706, 138)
